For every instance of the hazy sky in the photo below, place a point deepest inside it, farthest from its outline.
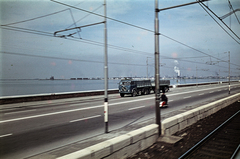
(191, 40)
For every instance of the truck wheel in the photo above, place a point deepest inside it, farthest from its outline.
(134, 93)
(122, 94)
(140, 92)
(147, 91)
(166, 89)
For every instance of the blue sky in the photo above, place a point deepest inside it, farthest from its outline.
(201, 42)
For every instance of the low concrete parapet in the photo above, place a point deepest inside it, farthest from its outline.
(119, 147)
(181, 121)
(51, 96)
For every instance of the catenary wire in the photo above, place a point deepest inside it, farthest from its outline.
(233, 11)
(40, 33)
(203, 5)
(101, 44)
(61, 58)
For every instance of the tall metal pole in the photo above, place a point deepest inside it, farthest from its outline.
(229, 87)
(105, 70)
(157, 71)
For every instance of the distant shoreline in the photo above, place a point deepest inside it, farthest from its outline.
(119, 78)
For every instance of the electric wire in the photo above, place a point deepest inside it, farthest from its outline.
(34, 18)
(126, 24)
(62, 58)
(137, 26)
(85, 16)
(110, 46)
(203, 5)
(103, 16)
(45, 33)
(233, 11)
(43, 16)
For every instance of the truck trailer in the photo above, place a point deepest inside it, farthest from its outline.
(135, 87)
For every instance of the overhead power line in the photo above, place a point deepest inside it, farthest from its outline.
(112, 46)
(98, 43)
(233, 11)
(228, 14)
(84, 17)
(206, 8)
(102, 16)
(134, 25)
(39, 16)
(62, 58)
(34, 18)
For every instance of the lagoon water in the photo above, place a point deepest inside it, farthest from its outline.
(29, 87)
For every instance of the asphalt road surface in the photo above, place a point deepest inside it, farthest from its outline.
(36, 127)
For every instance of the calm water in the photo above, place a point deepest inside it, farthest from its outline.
(28, 87)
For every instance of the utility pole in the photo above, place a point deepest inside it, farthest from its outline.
(105, 60)
(157, 70)
(105, 70)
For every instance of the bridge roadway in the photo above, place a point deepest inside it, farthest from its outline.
(27, 129)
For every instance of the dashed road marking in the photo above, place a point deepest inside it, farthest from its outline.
(91, 117)
(5, 135)
(137, 107)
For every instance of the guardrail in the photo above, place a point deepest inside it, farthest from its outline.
(52, 96)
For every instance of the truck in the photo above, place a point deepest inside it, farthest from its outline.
(136, 87)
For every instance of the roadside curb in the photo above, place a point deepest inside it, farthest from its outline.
(176, 123)
(119, 147)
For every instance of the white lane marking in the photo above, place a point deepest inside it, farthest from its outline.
(136, 100)
(187, 97)
(197, 91)
(48, 114)
(211, 92)
(201, 94)
(137, 107)
(170, 101)
(73, 110)
(99, 106)
(24, 111)
(85, 118)
(5, 135)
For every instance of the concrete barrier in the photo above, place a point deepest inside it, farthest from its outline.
(51, 96)
(119, 147)
(126, 145)
(179, 122)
